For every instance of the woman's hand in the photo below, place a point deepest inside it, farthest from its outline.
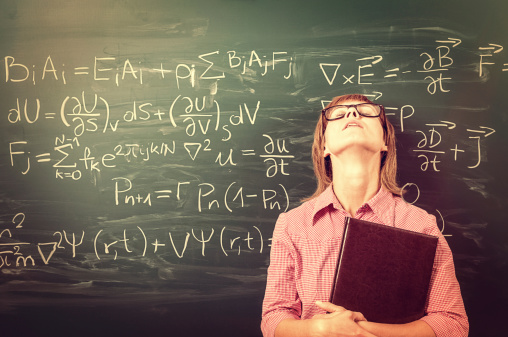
(339, 322)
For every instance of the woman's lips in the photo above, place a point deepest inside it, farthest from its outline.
(352, 124)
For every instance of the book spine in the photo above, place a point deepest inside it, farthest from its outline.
(337, 268)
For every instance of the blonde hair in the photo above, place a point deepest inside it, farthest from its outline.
(323, 165)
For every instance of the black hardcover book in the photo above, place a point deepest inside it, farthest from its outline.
(383, 272)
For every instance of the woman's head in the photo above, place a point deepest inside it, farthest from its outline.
(323, 164)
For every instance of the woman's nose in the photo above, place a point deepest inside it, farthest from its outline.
(352, 113)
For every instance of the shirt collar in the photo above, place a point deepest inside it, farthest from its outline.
(326, 199)
(382, 204)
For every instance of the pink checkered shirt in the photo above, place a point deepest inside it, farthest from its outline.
(305, 248)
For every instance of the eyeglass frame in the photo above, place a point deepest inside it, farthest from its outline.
(381, 110)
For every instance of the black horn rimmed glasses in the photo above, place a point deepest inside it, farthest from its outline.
(363, 109)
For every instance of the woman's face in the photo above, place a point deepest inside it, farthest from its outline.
(354, 132)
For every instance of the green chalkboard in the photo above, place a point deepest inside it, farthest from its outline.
(147, 148)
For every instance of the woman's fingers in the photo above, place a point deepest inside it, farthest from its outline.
(329, 307)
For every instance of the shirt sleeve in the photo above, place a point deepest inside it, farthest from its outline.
(445, 311)
(281, 297)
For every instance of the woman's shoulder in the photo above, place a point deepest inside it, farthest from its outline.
(302, 212)
(298, 219)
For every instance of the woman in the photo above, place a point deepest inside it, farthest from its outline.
(354, 157)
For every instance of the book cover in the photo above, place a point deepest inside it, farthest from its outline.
(383, 272)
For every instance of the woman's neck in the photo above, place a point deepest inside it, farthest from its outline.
(355, 179)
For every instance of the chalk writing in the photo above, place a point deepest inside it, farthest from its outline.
(486, 55)
(429, 151)
(230, 241)
(207, 66)
(211, 116)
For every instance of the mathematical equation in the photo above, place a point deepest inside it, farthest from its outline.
(114, 70)
(70, 159)
(434, 65)
(92, 113)
(108, 245)
(428, 149)
(234, 196)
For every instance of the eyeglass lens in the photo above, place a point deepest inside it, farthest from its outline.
(339, 111)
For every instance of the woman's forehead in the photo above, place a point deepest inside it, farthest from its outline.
(350, 102)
